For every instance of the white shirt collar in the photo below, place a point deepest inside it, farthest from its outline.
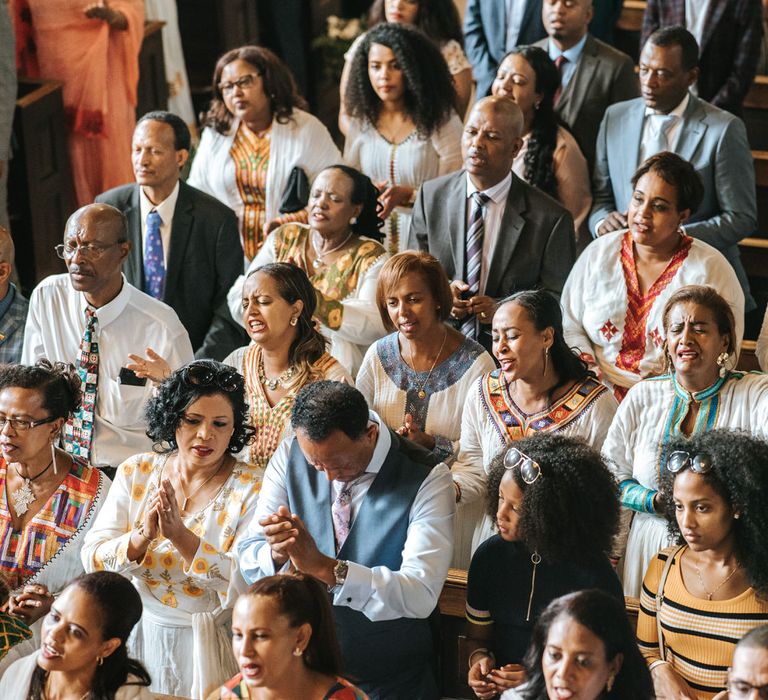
(165, 208)
(677, 111)
(111, 310)
(498, 193)
(383, 443)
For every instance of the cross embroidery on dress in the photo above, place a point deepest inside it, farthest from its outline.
(656, 338)
(608, 330)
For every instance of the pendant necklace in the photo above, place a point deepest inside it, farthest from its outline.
(281, 380)
(720, 585)
(421, 393)
(24, 496)
(318, 261)
(199, 488)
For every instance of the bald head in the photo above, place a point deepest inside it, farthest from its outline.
(491, 139)
(7, 251)
(95, 246)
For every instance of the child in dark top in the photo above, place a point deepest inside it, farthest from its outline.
(556, 509)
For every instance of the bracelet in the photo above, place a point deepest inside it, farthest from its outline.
(484, 651)
(140, 533)
(457, 488)
(656, 664)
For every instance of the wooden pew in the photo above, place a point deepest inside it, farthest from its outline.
(453, 656)
(631, 18)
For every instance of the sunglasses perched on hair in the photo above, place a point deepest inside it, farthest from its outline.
(699, 464)
(529, 470)
(202, 374)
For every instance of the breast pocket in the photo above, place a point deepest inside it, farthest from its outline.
(122, 405)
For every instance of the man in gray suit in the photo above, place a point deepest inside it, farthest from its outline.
(7, 101)
(527, 239)
(593, 75)
(669, 118)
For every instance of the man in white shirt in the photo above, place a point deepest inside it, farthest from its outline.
(365, 512)
(669, 118)
(127, 321)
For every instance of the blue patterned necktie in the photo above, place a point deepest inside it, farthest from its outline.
(475, 235)
(78, 430)
(154, 259)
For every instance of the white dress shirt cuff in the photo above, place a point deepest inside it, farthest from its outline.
(357, 588)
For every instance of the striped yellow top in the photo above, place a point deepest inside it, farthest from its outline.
(699, 635)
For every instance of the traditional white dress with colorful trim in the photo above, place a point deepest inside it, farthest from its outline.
(652, 414)
(618, 330)
(183, 638)
(491, 420)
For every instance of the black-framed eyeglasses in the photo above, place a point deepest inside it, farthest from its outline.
(243, 83)
(738, 689)
(679, 460)
(89, 250)
(22, 424)
(529, 470)
(202, 374)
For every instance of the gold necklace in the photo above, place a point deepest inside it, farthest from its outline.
(421, 393)
(199, 488)
(281, 380)
(720, 585)
(24, 496)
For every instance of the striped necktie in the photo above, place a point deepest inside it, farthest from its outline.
(154, 259)
(475, 235)
(78, 430)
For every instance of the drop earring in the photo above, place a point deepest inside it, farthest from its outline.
(53, 457)
(722, 363)
(546, 360)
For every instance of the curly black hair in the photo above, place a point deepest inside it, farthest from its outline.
(538, 161)
(58, 382)
(278, 81)
(429, 92)
(739, 475)
(438, 19)
(364, 192)
(607, 619)
(164, 410)
(572, 509)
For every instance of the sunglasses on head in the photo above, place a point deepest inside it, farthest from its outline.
(202, 374)
(699, 464)
(529, 470)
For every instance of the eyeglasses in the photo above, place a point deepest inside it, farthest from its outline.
(22, 424)
(529, 470)
(88, 250)
(243, 83)
(742, 689)
(202, 374)
(700, 464)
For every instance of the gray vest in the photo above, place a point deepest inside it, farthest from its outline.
(392, 658)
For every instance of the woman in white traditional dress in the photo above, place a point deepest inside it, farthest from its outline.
(441, 22)
(341, 254)
(256, 134)
(48, 499)
(83, 649)
(401, 128)
(542, 386)
(699, 394)
(170, 523)
(417, 378)
(614, 296)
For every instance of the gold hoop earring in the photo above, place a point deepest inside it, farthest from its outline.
(294, 321)
(100, 660)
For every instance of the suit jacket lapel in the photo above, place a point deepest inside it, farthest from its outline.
(715, 11)
(512, 223)
(578, 86)
(691, 130)
(627, 141)
(456, 226)
(134, 265)
(183, 219)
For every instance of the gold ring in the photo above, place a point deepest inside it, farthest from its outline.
(483, 314)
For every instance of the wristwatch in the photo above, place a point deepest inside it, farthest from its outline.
(339, 574)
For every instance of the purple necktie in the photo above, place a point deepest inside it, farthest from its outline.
(559, 61)
(341, 510)
(154, 259)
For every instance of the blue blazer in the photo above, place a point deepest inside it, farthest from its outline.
(715, 142)
(485, 36)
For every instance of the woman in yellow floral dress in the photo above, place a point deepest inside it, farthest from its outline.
(342, 255)
(170, 521)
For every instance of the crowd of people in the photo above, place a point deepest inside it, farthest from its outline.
(247, 433)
